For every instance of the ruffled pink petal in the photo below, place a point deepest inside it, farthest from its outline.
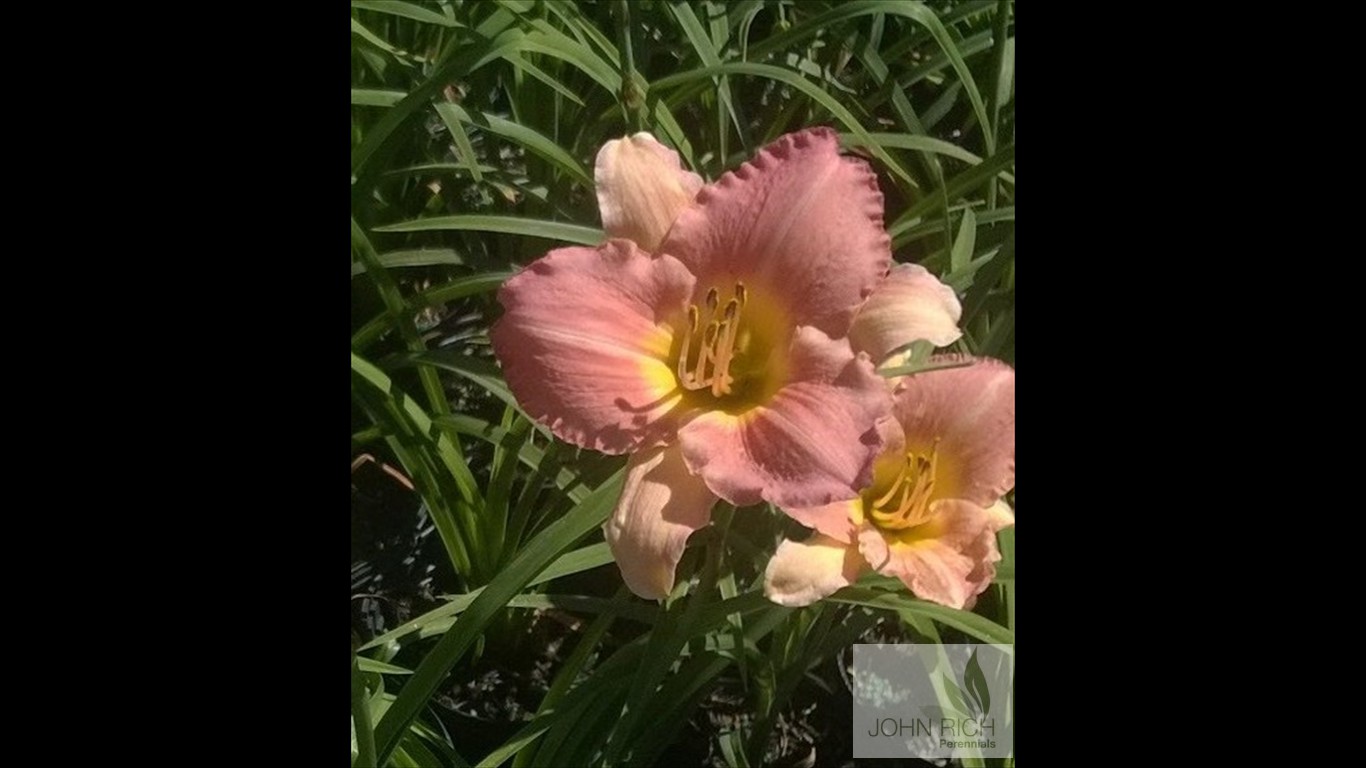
(799, 221)
(641, 188)
(584, 339)
(950, 559)
(971, 412)
(841, 520)
(661, 504)
(811, 444)
(802, 572)
(910, 304)
(835, 520)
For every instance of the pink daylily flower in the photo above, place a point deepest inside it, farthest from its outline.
(931, 513)
(708, 338)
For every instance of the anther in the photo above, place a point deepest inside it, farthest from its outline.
(700, 378)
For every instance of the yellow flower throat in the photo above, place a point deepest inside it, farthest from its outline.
(906, 503)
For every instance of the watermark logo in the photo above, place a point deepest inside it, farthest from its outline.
(977, 703)
(933, 701)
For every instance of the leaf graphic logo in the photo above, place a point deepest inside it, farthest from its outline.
(970, 696)
(976, 683)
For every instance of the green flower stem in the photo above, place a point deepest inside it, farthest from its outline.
(632, 100)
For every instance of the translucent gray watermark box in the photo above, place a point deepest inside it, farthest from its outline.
(934, 701)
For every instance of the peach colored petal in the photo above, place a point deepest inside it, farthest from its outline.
(948, 560)
(910, 304)
(835, 520)
(584, 343)
(641, 188)
(802, 572)
(799, 221)
(811, 444)
(661, 504)
(971, 412)
(1002, 516)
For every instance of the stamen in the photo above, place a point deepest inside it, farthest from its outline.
(912, 491)
(896, 484)
(685, 376)
(909, 499)
(726, 349)
(717, 348)
(706, 353)
(924, 484)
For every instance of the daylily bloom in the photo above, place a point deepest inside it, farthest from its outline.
(931, 513)
(707, 338)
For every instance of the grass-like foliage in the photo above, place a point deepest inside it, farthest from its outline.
(474, 129)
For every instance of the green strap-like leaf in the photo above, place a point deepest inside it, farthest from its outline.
(406, 10)
(805, 86)
(456, 289)
(518, 133)
(418, 257)
(965, 242)
(375, 97)
(509, 225)
(978, 626)
(587, 558)
(533, 559)
(371, 665)
(360, 719)
(494, 39)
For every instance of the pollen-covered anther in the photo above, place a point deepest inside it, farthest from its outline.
(718, 333)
